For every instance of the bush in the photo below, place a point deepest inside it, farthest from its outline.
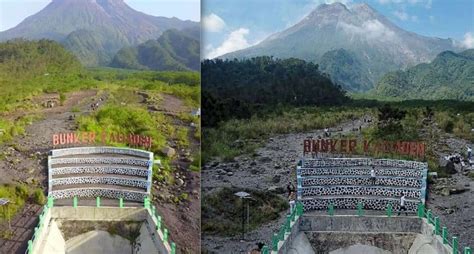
(39, 197)
(222, 210)
(22, 191)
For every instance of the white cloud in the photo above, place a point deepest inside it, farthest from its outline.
(401, 15)
(468, 41)
(213, 23)
(235, 41)
(371, 29)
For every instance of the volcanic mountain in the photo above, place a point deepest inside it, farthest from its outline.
(94, 30)
(355, 45)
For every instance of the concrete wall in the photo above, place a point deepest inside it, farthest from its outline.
(102, 213)
(375, 234)
(43, 230)
(150, 238)
(350, 223)
(285, 247)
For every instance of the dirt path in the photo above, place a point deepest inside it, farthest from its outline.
(26, 162)
(170, 105)
(183, 219)
(270, 168)
(26, 156)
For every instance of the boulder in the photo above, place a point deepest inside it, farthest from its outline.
(169, 151)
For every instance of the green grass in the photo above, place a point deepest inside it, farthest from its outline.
(221, 211)
(196, 164)
(221, 141)
(164, 173)
(182, 137)
(17, 194)
(10, 129)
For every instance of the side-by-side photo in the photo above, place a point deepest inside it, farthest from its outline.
(100, 126)
(339, 127)
(236, 126)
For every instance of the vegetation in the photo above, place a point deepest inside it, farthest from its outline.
(28, 68)
(239, 88)
(345, 69)
(222, 211)
(17, 195)
(165, 172)
(448, 76)
(38, 197)
(238, 136)
(173, 51)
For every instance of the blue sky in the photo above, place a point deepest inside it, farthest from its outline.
(12, 12)
(230, 25)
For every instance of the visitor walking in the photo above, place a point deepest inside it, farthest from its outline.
(402, 205)
(291, 195)
(469, 153)
(373, 177)
(292, 201)
(290, 188)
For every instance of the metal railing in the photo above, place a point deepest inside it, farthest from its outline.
(159, 225)
(285, 229)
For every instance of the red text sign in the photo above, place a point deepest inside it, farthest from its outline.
(314, 146)
(73, 138)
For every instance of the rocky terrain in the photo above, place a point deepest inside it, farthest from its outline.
(273, 165)
(24, 160)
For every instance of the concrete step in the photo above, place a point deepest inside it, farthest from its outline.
(386, 171)
(100, 160)
(114, 181)
(97, 186)
(361, 180)
(131, 177)
(118, 169)
(382, 191)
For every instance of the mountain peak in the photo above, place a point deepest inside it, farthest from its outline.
(363, 7)
(337, 6)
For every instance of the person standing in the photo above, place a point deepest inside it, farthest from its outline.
(402, 205)
(469, 153)
(291, 195)
(373, 177)
(290, 188)
(292, 201)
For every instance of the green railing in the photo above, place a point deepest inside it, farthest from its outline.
(285, 229)
(147, 204)
(441, 231)
(159, 227)
(422, 213)
(40, 226)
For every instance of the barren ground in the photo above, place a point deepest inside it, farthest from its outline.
(26, 162)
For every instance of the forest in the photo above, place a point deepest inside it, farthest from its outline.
(240, 88)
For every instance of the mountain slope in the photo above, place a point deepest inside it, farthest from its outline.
(374, 43)
(93, 29)
(173, 51)
(448, 76)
